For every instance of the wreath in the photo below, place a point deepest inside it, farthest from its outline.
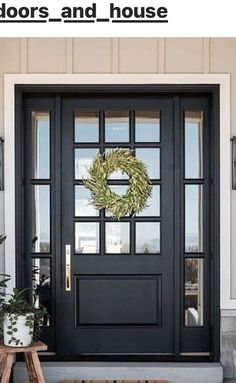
(138, 191)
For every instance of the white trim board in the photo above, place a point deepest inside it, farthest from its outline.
(223, 80)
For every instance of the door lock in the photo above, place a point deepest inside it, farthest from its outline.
(68, 268)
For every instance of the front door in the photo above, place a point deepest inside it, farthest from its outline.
(141, 285)
(122, 286)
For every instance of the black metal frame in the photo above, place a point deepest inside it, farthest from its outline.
(214, 193)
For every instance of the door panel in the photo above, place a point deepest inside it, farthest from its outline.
(121, 271)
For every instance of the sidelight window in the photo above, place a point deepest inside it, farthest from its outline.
(193, 291)
(194, 209)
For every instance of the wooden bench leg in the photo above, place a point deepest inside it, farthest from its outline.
(6, 369)
(3, 357)
(30, 367)
(34, 368)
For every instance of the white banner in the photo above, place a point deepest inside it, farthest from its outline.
(120, 18)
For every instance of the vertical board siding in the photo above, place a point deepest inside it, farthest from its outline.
(183, 55)
(138, 55)
(46, 55)
(92, 55)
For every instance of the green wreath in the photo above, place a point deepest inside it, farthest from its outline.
(140, 188)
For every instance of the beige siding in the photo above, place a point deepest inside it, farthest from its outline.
(92, 55)
(125, 55)
(184, 55)
(46, 55)
(138, 55)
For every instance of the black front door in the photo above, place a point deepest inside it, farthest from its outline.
(144, 285)
(122, 286)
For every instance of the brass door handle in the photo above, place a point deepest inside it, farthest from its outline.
(68, 268)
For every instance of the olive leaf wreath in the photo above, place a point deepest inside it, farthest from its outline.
(138, 191)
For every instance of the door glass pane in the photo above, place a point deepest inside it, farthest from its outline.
(147, 126)
(118, 189)
(193, 144)
(153, 202)
(193, 218)
(193, 292)
(40, 219)
(83, 160)
(117, 237)
(41, 286)
(87, 237)
(40, 143)
(117, 175)
(147, 237)
(86, 127)
(117, 126)
(151, 158)
(83, 206)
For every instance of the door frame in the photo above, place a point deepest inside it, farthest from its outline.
(13, 99)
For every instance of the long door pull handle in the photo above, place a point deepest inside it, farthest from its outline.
(68, 268)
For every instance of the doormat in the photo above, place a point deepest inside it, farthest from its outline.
(114, 381)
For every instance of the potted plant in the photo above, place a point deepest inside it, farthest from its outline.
(20, 320)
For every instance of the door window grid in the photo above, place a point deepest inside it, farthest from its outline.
(122, 182)
(41, 231)
(193, 230)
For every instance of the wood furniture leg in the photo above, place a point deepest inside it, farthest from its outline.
(6, 373)
(30, 367)
(34, 367)
(3, 357)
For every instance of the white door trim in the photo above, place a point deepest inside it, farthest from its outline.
(10, 80)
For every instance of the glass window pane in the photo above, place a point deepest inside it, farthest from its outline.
(40, 143)
(41, 286)
(193, 144)
(117, 175)
(147, 237)
(117, 126)
(151, 158)
(87, 237)
(40, 219)
(153, 202)
(147, 126)
(83, 160)
(86, 127)
(117, 237)
(193, 292)
(118, 189)
(193, 218)
(83, 206)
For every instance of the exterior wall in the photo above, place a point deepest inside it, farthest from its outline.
(129, 55)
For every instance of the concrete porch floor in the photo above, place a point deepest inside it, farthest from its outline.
(173, 372)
